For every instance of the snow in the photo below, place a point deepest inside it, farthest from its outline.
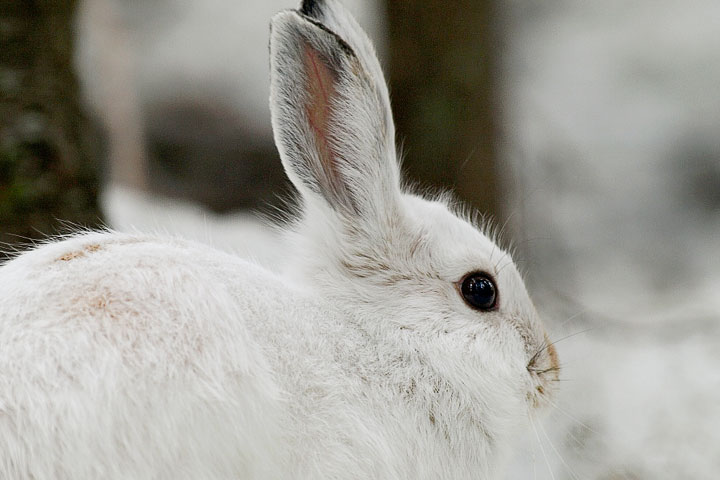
(612, 114)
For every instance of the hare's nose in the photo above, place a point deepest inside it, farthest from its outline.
(537, 363)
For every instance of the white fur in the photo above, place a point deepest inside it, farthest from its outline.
(129, 356)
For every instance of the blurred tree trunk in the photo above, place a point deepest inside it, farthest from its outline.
(441, 62)
(46, 171)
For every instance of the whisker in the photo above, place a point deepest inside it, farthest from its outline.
(555, 342)
(496, 236)
(573, 317)
(545, 370)
(572, 472)
(582, 424)
(497, 271)
(545, 345)
(547, 462)
(574, 303)
(467, 159)
(499, 235)
(576, 439)
(492, 252)
(534, 460)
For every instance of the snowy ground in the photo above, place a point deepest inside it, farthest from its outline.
(612, 116)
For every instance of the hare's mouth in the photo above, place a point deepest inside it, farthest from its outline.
(543, 384)
(544, 370)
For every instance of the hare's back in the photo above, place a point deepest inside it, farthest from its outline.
(127, 356)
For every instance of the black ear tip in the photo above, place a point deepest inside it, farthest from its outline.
(311, 8)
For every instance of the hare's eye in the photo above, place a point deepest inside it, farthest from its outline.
(479, 291)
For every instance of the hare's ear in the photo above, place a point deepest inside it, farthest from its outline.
(331, 119)
(333, 15)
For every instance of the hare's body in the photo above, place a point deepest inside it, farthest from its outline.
(398, 341)
(159, 358)
(120, 363)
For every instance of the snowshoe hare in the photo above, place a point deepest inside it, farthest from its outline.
(398, 343)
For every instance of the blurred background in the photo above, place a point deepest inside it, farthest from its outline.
(589, 132)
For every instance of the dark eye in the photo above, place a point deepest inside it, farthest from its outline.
(479, 291)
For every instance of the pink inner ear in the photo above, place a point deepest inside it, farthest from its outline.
(321, 89)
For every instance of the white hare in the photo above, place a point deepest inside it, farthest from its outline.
(399, 343)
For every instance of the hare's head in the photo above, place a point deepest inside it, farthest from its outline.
(427, 282)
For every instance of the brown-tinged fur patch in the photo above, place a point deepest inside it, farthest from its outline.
(92, 247)
(70, 256)
(552, 353)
